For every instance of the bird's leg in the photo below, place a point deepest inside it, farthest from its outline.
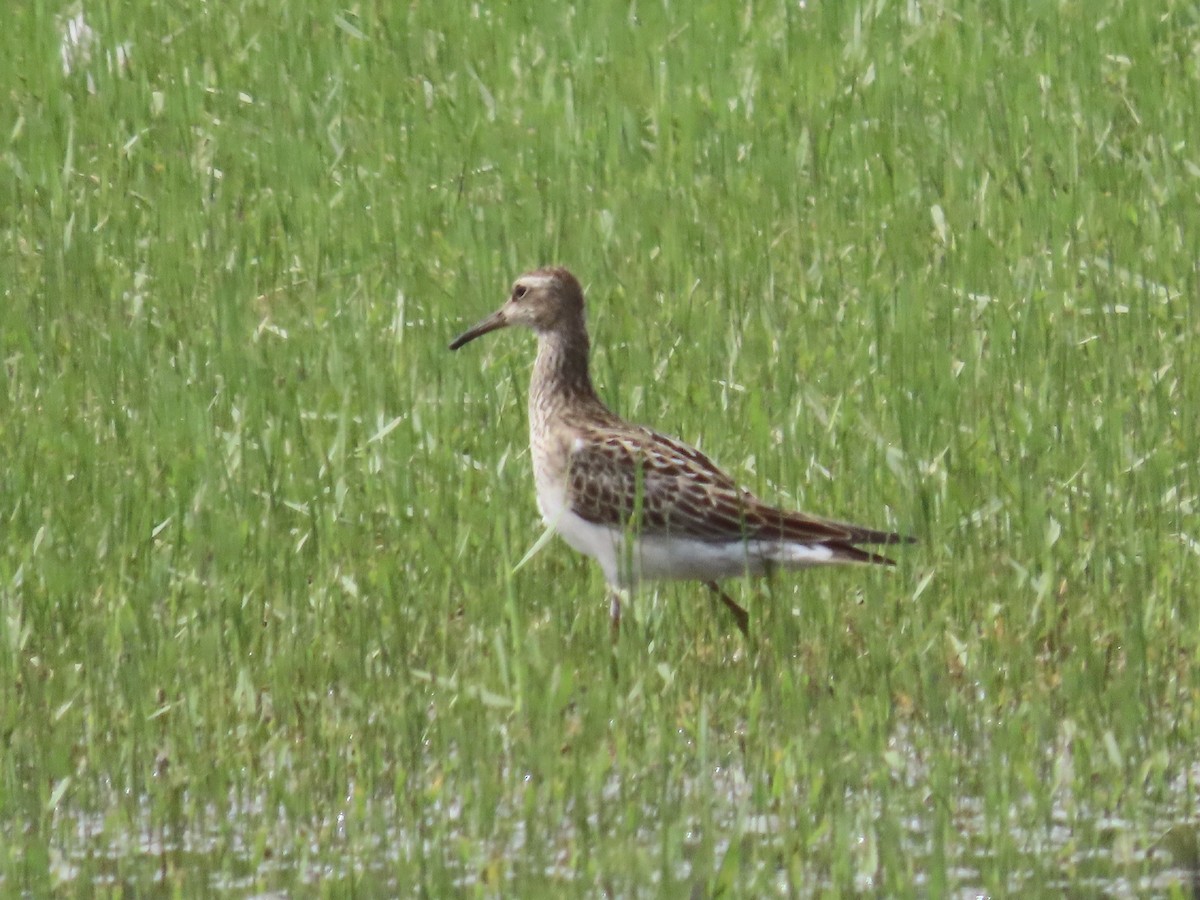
(614, 624)
(739, 614)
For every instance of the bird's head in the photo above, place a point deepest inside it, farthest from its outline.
(544, 300)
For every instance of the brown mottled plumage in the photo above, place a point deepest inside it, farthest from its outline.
(643, 504)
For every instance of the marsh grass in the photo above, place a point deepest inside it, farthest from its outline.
(922, 268)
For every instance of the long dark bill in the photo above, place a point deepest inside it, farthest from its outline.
(491, 323)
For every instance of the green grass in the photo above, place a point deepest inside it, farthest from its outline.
(918, 267)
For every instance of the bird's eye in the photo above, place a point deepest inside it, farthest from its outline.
(519, 291)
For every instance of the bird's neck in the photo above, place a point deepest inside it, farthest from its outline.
(560, 375)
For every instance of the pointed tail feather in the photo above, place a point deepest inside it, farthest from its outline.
(849, 553)
(840, 537)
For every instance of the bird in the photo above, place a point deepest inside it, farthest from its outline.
(646, 506)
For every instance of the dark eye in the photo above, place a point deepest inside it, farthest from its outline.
(519, 291)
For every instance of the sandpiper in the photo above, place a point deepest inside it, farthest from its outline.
(644, 505)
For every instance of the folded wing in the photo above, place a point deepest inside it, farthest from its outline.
(652, 484)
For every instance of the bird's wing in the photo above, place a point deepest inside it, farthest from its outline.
(653, 484)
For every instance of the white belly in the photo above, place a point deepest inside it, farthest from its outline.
(626, 561)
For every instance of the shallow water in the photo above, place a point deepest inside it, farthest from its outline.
(373, 845)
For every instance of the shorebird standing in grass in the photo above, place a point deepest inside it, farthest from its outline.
(643, 505)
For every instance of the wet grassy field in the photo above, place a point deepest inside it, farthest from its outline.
(924, 269)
